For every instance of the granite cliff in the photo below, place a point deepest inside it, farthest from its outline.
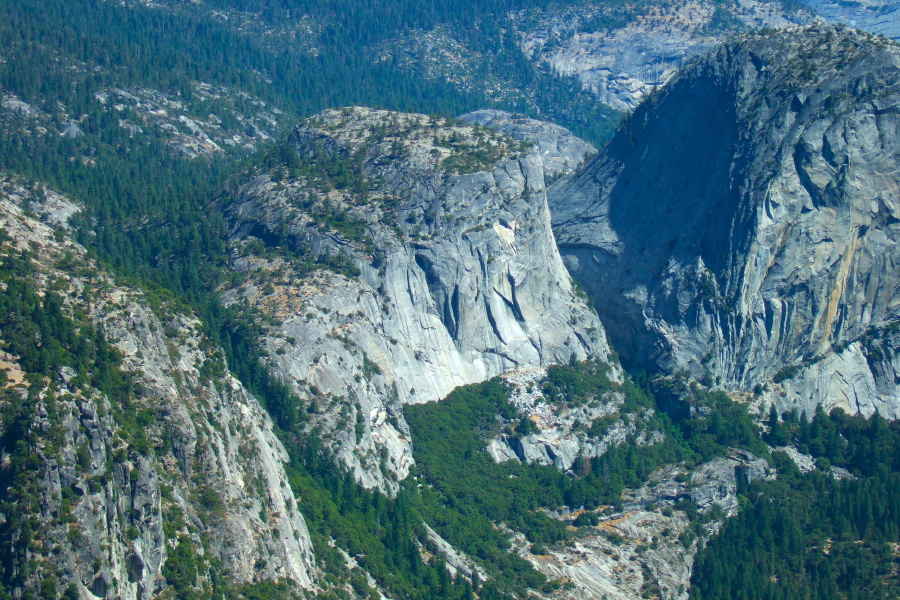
(743, 224)
(444, 230)
(117, 491)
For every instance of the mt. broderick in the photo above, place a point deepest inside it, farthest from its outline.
(459, 277)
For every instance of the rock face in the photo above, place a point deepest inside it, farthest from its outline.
(562, 430)
(644, 545)
(191, 462)
(744, 224)
(620, 55)
(561, 151)
(871, 15)
(627, 556)
(454, 276)
(646, 548)
(242, 124)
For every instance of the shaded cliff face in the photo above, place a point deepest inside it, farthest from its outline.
(743, 225)
(131, 495)
(450, 272)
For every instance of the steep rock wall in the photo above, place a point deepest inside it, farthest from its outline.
(459, 276)
(190, 459)
(744, 224)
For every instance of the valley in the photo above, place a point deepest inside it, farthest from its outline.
(322, 300)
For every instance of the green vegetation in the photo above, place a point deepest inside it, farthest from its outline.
(808, 536)
(180, 569)
(787, 373)
(325, 170)
(168, 49)
(36, 330)
(482, 156)
(709, 420)
(465, 492)
(723, 21)
(44, 339)
(576, 383)
(469, 493)
(725, 425)
(383, 534)
(320, 172)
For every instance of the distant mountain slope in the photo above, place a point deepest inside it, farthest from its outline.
(875, 16)
(744, 224)
(622, 52)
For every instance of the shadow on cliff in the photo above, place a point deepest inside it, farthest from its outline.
(674, 180)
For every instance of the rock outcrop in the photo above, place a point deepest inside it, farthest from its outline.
(561, 151)
(627, 556)
(744, 225)
(189, 465)
(565, 431)
(443, 272)
(646, 547)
